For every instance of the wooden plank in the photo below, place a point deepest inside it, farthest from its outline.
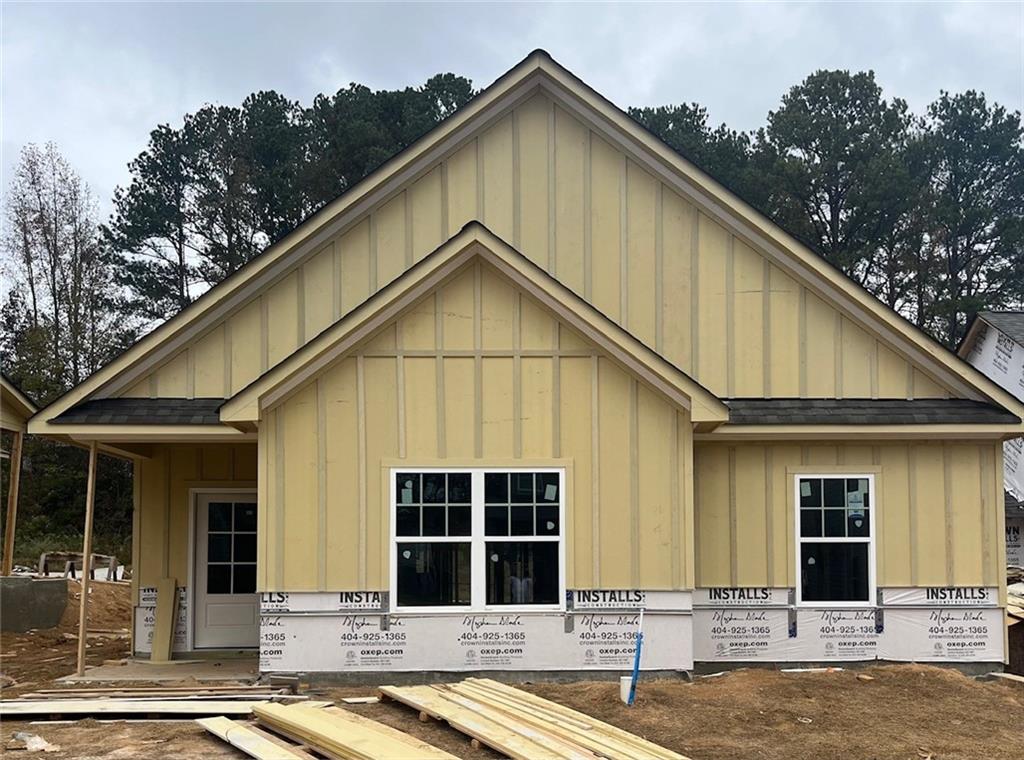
(338, 736)
(166, 615)
(12, 503)
(240, 736)
(10, 708)
(496, 735)
(567, 712)
(581, 733)
(412, 741)
(298, 748)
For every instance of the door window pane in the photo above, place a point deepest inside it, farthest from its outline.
(218, 547)
(522, 572)
(245, 579)
(245, 547)
(218, 579)
(245, 517)
(432, 574)
(834, 572)
(220, 516)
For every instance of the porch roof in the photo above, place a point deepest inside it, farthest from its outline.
(861, 411)
(143, 411)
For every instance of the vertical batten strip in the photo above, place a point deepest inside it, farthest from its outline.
(874, 369)
(697, 553)
(730, 317)
(190, 372)
(624, 242)
(910, 381)
(478, 362)
(947, 488)
(880, 565)
(659, 269)
(264, 335)
(675, 521)
(445, 234)
(595, 467)
(688, 533)
(552, 232)
(361, 432)
(837, 342)
(802, 327)
(300, 305)
(321, 486)
(987, 569)
(634, 483)
(695, 293)
(279, 506)
(479, 180)
(335, 281)
(400, 388)
(912, 502)
(517, 185)
(372, 222)
(769, 521)
(766, 329)
(734, 570)
(442, 436)
(407, 200)
(517, 377)
(588, 222)
(227, 358)
(556, 393)
(167, 514)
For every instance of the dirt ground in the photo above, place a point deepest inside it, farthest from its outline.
(904, 712)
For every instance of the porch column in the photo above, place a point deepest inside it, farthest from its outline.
(12, 503)
(90, 503)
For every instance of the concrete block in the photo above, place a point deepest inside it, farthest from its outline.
(27, 603)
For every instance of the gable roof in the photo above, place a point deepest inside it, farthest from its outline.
(536, 71)
(1010, 323)
(473, 241)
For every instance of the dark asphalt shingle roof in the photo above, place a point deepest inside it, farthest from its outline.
(1009, 322)
(817, 411)
(143, 411)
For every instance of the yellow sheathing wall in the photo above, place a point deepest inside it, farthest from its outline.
(545, 182)
(938, 510)
(162, 502)
(476, 373)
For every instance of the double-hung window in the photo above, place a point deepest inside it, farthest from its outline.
(835, 539)
(477, 539)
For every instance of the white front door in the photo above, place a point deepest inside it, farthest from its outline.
(226, 603)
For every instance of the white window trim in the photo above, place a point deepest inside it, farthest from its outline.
(869, 540)
(478, 544)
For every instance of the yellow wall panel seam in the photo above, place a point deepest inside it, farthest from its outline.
(688, 533)
(674, 487)
(280, 507)
(227, 358)
(837, 344)
(517, 377)
(556, 396)
(479, 179)
(361, 432)
(634, 483)
(588, 231)
(695, 293)
(373, 252)
(136, 526)
(517, 184)
(445, 232)
(442, 442)
(947, 482)
(873, 358)
(190, 372)
(802, 319)
(408, 228)
(1000, 512)
(766, 329)
(552, 250)
(912, 501)
(321, 486)
(335, 281)
(730, 317)
(733, 521)
(400, 390)
(478, 368)
(300, 305)
(595, 469)
(910, 380)
(166, 543)
(986, 521)
(624, 242)
(659, 269)
(769, 504)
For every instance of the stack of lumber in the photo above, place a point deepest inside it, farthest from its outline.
(1015, 603)
(331, 732)
(524, 726)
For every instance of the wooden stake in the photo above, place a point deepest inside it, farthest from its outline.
(90, 504)
(12, 503)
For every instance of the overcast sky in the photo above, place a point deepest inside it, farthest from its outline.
(96, 78)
